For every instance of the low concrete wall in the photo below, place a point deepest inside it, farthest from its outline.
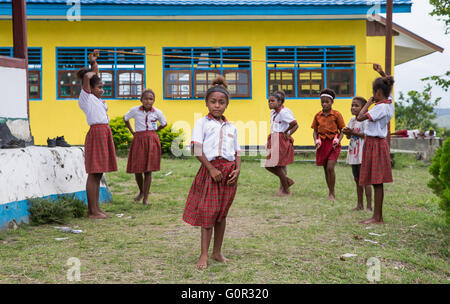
(425, 148)
(34, 172)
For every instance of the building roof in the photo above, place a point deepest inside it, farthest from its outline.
(225, 2)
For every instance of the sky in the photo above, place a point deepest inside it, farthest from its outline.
(408, 75)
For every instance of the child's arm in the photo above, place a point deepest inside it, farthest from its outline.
(162, 122)
(127, 123)
(161, 127)
(292, 128)
(362, 114)
(94, 71)
(198, 153)
(316, 138)
(234, 175)
(377, 67)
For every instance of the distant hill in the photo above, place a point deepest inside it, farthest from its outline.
(443, 117)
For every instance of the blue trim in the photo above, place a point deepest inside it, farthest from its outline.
(296, 68)
(114, 68)
(34, 9)
(18, 210)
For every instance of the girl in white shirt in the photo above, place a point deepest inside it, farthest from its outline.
(145, 151)
(376, 163)
(215, 145)
(99, 151)
(280, 143)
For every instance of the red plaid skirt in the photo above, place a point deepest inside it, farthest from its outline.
(282, 150)
(99, 151)
(376, 162)
(145, 153)
(326, 152)
(208, 202)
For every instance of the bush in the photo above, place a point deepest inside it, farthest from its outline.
(121, 135)
(167, 136)
(440, 183)
(59, 211)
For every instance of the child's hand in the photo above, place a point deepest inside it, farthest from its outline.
(216, 175)
(377, 67)
(234, 175)
(318, 143)
(347, 131)
(371, 100)
(94, 55)
(336, 142)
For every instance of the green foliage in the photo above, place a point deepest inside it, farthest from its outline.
(167, 136)
(442, 9)
(59, 211)
(443, 132)
(416, 111)
(121, 135)
(440, 183)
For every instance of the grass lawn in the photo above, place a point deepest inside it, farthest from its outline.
(268, 239)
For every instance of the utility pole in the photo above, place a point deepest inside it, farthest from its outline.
(388, 62)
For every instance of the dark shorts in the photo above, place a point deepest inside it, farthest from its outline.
(355, 170)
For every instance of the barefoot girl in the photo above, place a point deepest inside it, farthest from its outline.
(214, 142)
(145, 151)
(327, 125)
(376, 163)
(280, 142)
(99, 151)
(355, 132)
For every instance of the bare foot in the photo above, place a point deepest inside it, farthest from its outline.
(369, 208)
(100, 216)
(290, 182)
(138, 197)
(145, 202)
(102, 212)
(372, 221)
(283, 193)
(202, 262)
(219, 257)
(358, 208)
(331, 197)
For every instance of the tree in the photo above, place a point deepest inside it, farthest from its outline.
(442, 9)
(416, 110)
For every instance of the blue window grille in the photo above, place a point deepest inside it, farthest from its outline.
(123, 74)
(303, 71)
(188, 72)
(34, 69)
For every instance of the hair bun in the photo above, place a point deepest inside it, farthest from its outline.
(389, 80)
(220, 81)
(81, 72)
(282, 93)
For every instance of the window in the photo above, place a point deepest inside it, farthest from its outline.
(34, 69)
(302, 72)
(188, 72)
(123, 74)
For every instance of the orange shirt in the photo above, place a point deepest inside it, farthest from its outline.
(328, 125)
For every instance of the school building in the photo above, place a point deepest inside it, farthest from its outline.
(176, 47)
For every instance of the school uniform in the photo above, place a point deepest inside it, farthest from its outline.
(355, 148)
(280, 145)
(327, 126)
(99, 151)
(145, 150)
(376, 162)
(208, 201)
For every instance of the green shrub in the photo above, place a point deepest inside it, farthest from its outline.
(59, 211)
(440, 183)
(166, 137)
(121, 135)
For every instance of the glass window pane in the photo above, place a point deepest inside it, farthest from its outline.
(242, 90)
(124, 78)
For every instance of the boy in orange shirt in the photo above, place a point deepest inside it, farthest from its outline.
(328, 125)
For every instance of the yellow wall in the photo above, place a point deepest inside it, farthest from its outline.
(50, 117)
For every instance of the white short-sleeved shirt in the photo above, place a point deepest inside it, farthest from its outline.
(145, 120)
(94, 109)
(379, 117)
(355, 148)
(217, 139)
(280, 121)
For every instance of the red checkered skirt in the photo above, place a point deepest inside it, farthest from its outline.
(326, 152)
(145, 153)
(376, 162)
(99, 151)
(208, 201)
(281, 150)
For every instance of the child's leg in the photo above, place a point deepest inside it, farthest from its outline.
(219, 232)
(377, 217)
(92, 192)
(147, 184)
(359, 192)
(140, 183)
(283, 179)
(331, 178)
(98, 196)
(205, 241)
(368, 191)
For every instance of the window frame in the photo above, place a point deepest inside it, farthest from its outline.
(38, 73)
(72, 95)
(321, 71)
(352, 82)
(225, 71)
(292, 71)
(121, 71)
(167, 72)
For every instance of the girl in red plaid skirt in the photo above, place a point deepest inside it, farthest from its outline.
(214, 142)
(99, 151)
(280, 144)
(145, 151)
(376, 163)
